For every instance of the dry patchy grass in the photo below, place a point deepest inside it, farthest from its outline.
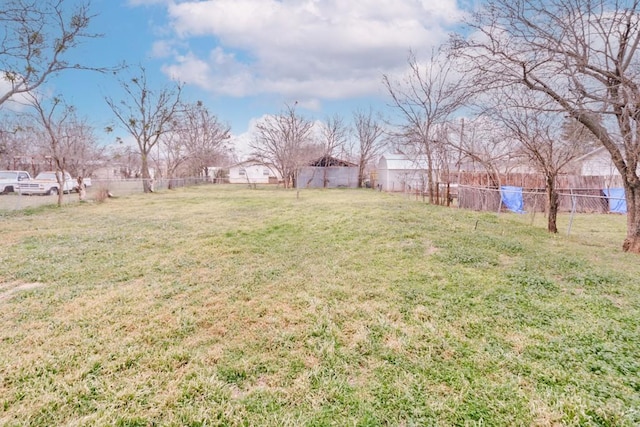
(228, 306)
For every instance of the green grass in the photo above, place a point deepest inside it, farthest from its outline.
(228, 306)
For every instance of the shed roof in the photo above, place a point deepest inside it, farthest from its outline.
(329, 161)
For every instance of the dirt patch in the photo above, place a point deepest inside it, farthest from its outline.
(9, 289)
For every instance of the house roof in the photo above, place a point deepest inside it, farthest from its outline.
(399, 161)
(250, 162)
(328, 161)
(598, 151)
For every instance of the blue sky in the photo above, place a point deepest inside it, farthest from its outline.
(247, 58)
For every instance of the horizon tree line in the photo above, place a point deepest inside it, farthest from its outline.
(543, 82)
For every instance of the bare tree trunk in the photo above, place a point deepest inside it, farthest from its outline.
(360, 175)
(632, 241)
(552, 204)
(430, 175)
(82, 189)
(60, 196)
(147, 185)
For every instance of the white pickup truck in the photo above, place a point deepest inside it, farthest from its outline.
(9, 180)
(46, 183)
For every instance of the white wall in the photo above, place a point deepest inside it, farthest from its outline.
(401, 180)
(599, 164)
(335, 176)
(250, 173)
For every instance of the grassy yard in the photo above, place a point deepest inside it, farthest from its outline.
(229, 306)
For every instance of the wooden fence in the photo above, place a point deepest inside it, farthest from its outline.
(534, 181)
(488, 199)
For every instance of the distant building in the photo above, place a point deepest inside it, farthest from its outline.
(328, 172)
(253, 172)
(399, 172)
(595, 163)
(118, 171)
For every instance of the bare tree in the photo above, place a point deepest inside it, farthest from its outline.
(481, 143)
(426, 99)
(128, 159)
(53, 116)
(204, 137)
(283, 140)
(538, 128)
(370, 139)
(174, 154)
(333, 137)
(573, 130)
(334, 133)
(80, 147)
(14, 143)
(146, 114)
(582, 55)
(35, 40)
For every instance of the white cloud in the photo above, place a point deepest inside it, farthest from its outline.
(190, 69)
(301, 48)
(312, 104)
(163, 49)
(219, 73)
(240, 145)
(17, 102)
(241, 142)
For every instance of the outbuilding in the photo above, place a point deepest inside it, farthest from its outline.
(399, 172)
(328, 172)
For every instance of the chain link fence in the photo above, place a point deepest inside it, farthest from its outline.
(99, 190)
(577, 208)
(581, 211)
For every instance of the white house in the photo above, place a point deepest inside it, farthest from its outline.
(596, 163)
(253, 172)
(111, 172)
(117, 171)
(398, 172)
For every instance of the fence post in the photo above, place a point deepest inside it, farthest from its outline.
(535, 206)
(573, 210)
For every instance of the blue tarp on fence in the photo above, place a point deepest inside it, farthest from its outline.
(511, 198)
(617, 200)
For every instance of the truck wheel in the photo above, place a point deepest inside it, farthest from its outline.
(53, 191)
